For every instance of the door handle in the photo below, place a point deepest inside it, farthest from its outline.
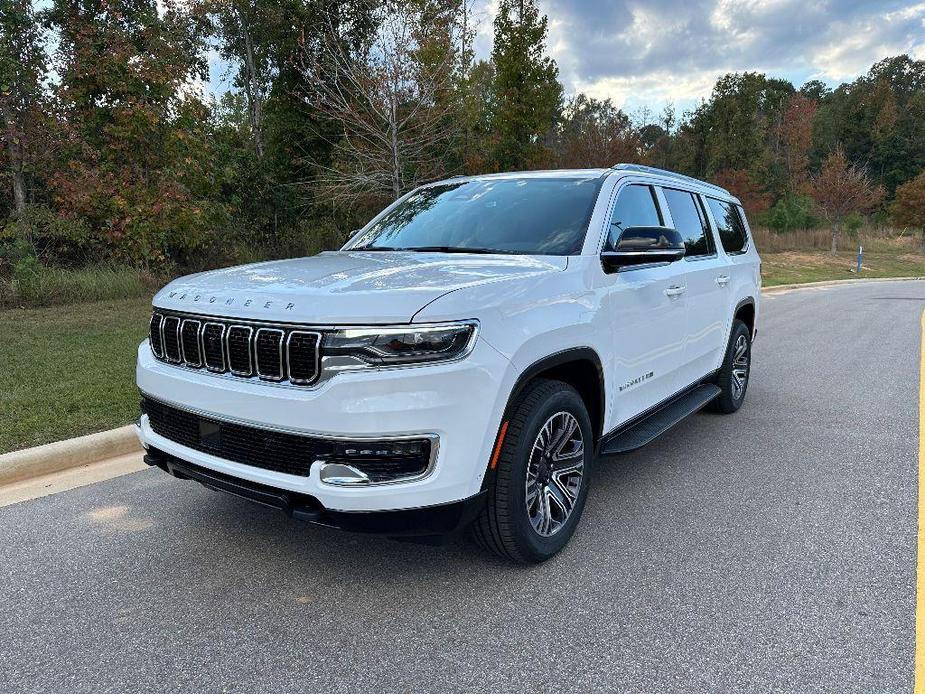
(722, 280)
(675, 290)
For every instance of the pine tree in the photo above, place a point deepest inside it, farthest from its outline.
(527, 89)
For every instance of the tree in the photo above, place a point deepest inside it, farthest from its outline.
(741, 184)
(527, 90)
(840, 189)
(22, 69)
(796, 133)
(595, 133)
(392, 100)
(125, 70)
(908, 209)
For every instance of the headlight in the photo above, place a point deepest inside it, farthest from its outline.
(413, 344)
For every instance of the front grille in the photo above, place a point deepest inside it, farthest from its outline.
(273, 353)
(292, 454)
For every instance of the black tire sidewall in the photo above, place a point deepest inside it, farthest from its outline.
(728, 403)
(530, 543)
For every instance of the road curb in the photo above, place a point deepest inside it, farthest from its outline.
(70, 453)
(835, 283)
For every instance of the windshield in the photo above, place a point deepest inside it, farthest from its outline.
(526, 216)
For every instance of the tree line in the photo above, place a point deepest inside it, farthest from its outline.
(114, 149)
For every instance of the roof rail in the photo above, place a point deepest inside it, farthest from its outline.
(670, 174)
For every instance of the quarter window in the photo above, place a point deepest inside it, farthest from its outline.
(690, 221)
(635, 207)
(729, 224)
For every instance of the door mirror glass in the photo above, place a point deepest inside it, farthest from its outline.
(642, 246)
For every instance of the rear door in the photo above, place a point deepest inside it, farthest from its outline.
(706, 278)
(741, 258)
(645, 308)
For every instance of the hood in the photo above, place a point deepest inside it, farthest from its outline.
(342, 287)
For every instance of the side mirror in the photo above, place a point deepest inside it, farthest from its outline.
(643, 246)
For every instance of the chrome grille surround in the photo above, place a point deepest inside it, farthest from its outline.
(274, 371)
(195, 337)
(172, 331)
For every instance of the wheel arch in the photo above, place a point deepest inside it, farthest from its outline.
(745, 312)
(581, 368)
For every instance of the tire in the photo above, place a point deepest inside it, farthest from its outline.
(730, 374)
(534, 533)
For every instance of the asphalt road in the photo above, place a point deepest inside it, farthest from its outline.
(770, 551)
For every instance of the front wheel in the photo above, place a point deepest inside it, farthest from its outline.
(733, 374)
(541, 477)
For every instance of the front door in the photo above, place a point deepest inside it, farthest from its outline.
(645, 306)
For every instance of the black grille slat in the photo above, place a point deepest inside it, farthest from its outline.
(292, 454)
(189, 340)
(171, 334)
(268, 347)
(302, 349)
(213, 346)
(157, 346)
(239, 350)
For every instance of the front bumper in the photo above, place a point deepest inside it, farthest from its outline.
(440, 520)
(460, 403)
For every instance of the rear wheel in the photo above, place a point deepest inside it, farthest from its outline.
(541, 479)
(733, 375)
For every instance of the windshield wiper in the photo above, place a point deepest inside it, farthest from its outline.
(451, 249)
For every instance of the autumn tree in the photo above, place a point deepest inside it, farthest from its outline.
(391, 99)
(125, 71)
(908, 209)
(840, 189)
(527, 90)
(22, 70)
(796, 133)
(741, 184)
(595, 133)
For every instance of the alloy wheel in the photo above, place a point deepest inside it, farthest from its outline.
(554, 473)
(739, 367)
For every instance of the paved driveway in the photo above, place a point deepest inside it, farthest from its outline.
(770, 551)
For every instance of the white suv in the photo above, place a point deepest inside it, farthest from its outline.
(464, 360)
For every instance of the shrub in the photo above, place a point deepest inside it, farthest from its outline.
(33, 284)
(792, 212)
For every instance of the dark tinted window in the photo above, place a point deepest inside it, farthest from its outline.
(729, 225)
(690, 221)
(635, 207)
(542, 216)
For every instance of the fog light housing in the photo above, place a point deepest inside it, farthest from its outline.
(377, 462)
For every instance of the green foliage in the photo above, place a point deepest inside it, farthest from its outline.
(526, 87)
(792, 212)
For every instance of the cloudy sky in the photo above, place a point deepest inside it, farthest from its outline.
(651, 52)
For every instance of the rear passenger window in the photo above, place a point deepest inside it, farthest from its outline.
(731, 228)
(635, 207)
(690, 221)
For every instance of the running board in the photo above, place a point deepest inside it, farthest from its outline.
(641, 432)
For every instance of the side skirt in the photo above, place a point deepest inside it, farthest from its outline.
(646, 427)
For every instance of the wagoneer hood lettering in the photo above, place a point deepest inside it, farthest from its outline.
(342, 287)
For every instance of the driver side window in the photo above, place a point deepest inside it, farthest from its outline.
(636, 206)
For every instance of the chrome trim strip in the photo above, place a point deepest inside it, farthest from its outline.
(250, 350)
(282, 371)
(221, 344)
(303, 381)
(160, 332)
(428, 471)
(197, 365)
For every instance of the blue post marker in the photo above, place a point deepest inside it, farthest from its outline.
(860, 257)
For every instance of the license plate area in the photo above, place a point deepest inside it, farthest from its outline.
(210, 434)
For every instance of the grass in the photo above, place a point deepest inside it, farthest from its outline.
(39, 285)
(68, 371)
(797, 267)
